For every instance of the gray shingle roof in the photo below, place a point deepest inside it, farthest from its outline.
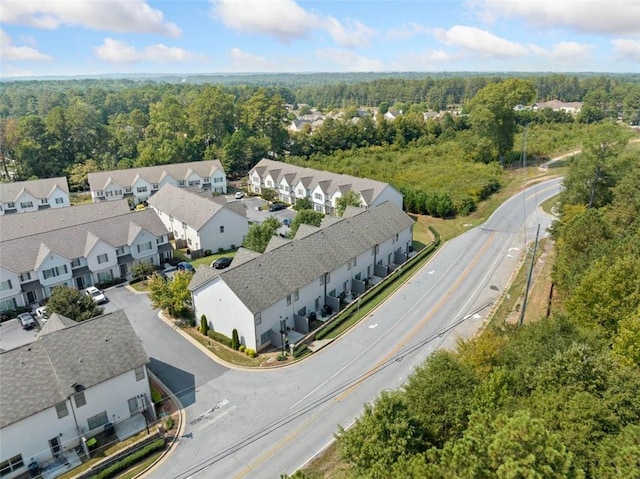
(194, 209)
(9, 192)
(38, 375)
(330, 182)
(266, 279)
(153, 174)
(22, 254)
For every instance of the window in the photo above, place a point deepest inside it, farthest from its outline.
(302, 311)
(5, 285)
(180, 182)
(288, 300)
(117, 193)
(139, 373)
(206, 180)
(104, 276)
(127, 189)
(120, 251)
(189, 241)
(145, 246)
(11, 205)
(53, 272)
(300, 192)
(99, 193)
(133, 405)
(155, 186)
(265, 337)
(321, 280)
(222, 229)
(8, 304)
(10, 465)
(103, 258)
(268, 183)
(296, 295)
(44, 201)
(61, 409)
(59, 201)
(109, 193)
(285, 188)
(75, 263)
(317, 196)
(25, 277)
(97, 420)
(79, 399)
(218, 179)
(26, 204)
(184, 225)
(141, 189)
(258, 318)
(194, 182)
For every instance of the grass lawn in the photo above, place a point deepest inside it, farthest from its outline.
(205, 260)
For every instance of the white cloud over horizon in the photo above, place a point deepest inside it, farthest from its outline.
(351, 61)
(626, 49)
(482, 42)
(9, 51)
(115, 51)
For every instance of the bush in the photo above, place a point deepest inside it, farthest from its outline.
(220, 250)
(250, 352)
(235, 341)
(233, 246)
(13, 313)
(111, 282)
(207, 252)
(125, 463)
(156, 397)
(241, 348)
(219, 337)
(142, 269)
(204, 325)
(168, 424)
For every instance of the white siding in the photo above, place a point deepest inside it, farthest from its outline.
(235, 229)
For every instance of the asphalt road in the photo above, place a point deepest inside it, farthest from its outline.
(259, 424)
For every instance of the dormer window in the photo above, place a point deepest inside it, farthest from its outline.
(206, 180)
(181, 182)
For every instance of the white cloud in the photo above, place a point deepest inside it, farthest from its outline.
(248, 62)
(565, 52)
(479, 41)
(588, 16)
(114, 51)
(286, 21)
(114, 15)
(9, 51)
(409, 30)
(350, 61)
(427, 60)
(626, 49)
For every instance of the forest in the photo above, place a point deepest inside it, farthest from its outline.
(74, 127)
(558, 397)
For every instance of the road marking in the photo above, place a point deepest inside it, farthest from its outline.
(431, 272)
(476, 316)
(373, 326)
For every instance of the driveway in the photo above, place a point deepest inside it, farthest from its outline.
(255, 215)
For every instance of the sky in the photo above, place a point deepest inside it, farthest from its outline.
(97, 37)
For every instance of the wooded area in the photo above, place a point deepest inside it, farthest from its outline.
(558, 397)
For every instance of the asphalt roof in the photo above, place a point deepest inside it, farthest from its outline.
(153, 174)
(39, 375)
(24, 253)
(329, 182)
(42, 188)
(192, 208)
(265, 279)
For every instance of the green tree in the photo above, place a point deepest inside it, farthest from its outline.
(204, 325)
(383, 434)
(79, 174)
(72, 303)
(142, 269)
(259, 235)
(626, 342)
(308, 217)
(303, 204)
(268, 194)
(619, 455)
(235, 340)
(172, 296)
(351, 198)
(492, 112)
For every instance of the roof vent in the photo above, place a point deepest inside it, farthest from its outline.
(106, 339)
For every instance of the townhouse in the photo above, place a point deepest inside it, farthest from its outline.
(291, 282)
(322, 188)
(78, 246)
(53, 402)
(34, 195)
(138, 184)
(200, 221)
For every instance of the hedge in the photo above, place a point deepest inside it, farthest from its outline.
(111, 282)
(219, 337)
(125, 463)
(13, 313)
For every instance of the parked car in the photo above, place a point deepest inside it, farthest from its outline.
(277, 207)
(184, 266)
(239, 195)
(97, 295)
(42, 314)
(27, 321)
(222, 262)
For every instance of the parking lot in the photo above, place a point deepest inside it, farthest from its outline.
(255, 215)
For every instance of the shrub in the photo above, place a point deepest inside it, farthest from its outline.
(235, 341)
(241, 348)
(156, 397)
(111, 282)
(125, 463)
(220, 250)
(207, 252)
(219, 337)
(250, 352)
(233, 246)
(204, 325)
(168, 424)
(13, 313)
(142, 269)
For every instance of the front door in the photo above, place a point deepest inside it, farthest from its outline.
(31, 297)
(123, 270)
(54, 444)
(80, 284)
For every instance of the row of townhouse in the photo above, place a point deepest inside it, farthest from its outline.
(34, 195)
(262, 294)
(322, 188)
(139, 184)
(77, 246)
(200, 221)
(54, 401)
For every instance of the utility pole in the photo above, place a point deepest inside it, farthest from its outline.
(526, 290)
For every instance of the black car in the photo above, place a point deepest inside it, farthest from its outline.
(221, 263)
(277, 207)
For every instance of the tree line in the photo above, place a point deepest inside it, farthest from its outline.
(558, 397)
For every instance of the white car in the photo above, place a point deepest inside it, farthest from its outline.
(239, 195)
(42, 314)
(97, 295)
